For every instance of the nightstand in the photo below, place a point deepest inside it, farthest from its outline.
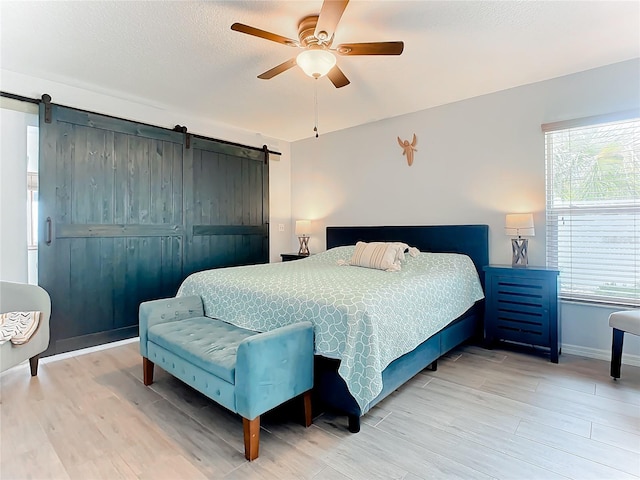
(522, 306)
(287, 257)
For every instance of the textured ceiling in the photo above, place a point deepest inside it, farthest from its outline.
(184, 56)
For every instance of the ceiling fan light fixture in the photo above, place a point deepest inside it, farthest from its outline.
(316, 62)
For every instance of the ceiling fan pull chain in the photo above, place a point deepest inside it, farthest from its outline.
(315, 106)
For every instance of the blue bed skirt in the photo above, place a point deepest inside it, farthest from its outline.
(330, 390)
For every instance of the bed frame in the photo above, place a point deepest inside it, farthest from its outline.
(330, 390)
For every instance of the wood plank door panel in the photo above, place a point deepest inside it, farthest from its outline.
(133, 210)
(227, 214)
(113, 192)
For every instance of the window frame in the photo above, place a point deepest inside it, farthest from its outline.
(583, 209)
(32, 213)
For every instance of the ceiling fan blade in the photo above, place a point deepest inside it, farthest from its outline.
(373, 48)
(337, 77)
(279, 69)
(329, 17)
(256, 32)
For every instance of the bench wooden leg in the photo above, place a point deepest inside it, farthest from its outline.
(616, 352)
(251, 437)
(33, 364)
(147, 371)
(308, 417)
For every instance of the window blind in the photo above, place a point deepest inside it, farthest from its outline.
(593, 208)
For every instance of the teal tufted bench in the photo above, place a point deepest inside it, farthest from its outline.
(247, 372)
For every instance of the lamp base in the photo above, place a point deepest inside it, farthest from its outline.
(519, 249)
(304, 246)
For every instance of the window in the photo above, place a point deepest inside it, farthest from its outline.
(32, 210)
(593, 207)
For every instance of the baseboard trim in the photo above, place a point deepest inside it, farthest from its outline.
(81, 342)
(627, 359)
(74, 353)
(84, 351)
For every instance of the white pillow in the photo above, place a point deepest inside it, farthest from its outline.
(402, 248)
(378, 255)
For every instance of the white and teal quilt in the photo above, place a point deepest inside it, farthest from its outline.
(366, 318)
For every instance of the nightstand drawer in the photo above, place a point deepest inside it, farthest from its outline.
(521, 306)
(521, 310)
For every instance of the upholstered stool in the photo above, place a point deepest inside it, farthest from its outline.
(625, 321)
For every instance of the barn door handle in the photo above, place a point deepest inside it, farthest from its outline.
(48, 237)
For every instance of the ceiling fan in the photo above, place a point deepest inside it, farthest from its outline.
(315, 36)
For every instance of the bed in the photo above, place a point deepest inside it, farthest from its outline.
(371, 333)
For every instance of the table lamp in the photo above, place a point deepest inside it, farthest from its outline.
(302, 231)
(519, 225)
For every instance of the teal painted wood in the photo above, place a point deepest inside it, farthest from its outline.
(106, 284)
(165, 183)
(120, 295)
(117, 230)
(120, 169)
(113, 204)
(171, 264)
(92, 174)
(224, 208)
(61, 171)
(78, 269)
(210, 145)
(51, 204)
(132, 213)
(229, 230)
(104, 122)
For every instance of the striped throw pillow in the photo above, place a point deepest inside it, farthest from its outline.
(378, 255)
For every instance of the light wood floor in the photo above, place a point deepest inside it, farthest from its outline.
(482, 414)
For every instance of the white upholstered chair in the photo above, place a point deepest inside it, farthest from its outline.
(20, 297)
(625, 321)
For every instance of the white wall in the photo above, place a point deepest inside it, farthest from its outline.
(477, 160)
(13, 193)
(119, 105)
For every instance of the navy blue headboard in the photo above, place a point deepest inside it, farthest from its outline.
(471, 240)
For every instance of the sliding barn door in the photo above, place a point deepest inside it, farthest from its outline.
(226, 205)
(111, 216)
(127, 211)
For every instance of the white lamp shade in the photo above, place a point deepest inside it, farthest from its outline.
(316, 63)
(519, 225)
(303, 227)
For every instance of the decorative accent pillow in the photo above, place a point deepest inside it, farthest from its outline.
(378, 255)
(402, 249)
(412, 251)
